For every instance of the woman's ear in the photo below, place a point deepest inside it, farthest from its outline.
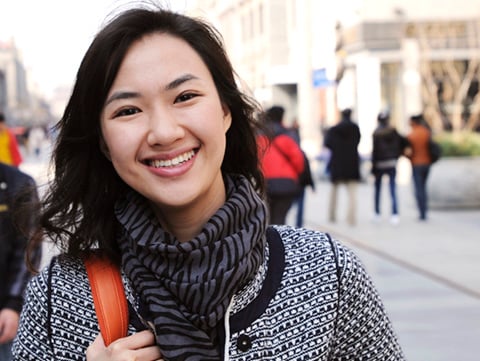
(227, 117)
(104, 149)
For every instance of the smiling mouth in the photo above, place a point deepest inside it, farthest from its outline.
(166, 163)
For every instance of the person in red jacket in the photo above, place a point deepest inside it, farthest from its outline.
(9, 150)
(282, 162)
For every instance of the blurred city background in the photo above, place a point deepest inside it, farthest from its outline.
(315, 58)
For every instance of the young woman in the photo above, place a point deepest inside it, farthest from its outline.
(156, 163)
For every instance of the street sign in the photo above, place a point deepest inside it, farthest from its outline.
(320, 78)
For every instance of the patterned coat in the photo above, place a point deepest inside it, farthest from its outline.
(311, 300)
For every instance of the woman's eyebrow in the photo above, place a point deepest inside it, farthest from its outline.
(179, 81)
(172, 85)
(121, 95)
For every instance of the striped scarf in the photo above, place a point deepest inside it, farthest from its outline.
(188, 286)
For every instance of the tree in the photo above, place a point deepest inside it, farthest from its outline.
(450, 72)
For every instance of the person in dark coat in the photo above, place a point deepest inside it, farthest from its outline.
(17, 189)
(388, 146)
(344, 165)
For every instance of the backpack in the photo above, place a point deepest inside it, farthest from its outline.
(305, 178)
(434, 150)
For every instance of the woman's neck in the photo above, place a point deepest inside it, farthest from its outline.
(187, 222)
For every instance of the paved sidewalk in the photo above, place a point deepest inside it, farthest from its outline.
(428, 273)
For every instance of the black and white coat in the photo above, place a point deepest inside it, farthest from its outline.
(311, 300)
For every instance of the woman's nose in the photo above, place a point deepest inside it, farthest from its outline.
(164, 129)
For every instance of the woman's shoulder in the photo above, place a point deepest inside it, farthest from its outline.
(66, 289)
(299, 238)
(312, 248)
(64, 277)
(58, 300)
(319, 264)
(65, 266)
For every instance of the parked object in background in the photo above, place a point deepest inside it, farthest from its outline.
(454, 183)
(454, 177)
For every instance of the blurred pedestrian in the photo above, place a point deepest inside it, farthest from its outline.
(157, 166)
(419, 155)
(9, 149)
(344, 164)
(388, 146)
(305, 179)
(18, 192)
(36, 139)
(282, 162)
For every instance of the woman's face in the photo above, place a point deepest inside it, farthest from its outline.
(164, 126)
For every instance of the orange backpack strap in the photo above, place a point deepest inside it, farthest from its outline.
(108, 296)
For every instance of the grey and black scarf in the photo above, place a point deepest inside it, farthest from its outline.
(188, 286)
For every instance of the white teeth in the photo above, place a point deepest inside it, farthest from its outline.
(173, 162)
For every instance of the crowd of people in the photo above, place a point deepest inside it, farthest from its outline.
(388, 145)
(287, 180)
(171, 176)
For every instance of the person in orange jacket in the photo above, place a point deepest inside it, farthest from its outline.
(9, 150)
(419, 156)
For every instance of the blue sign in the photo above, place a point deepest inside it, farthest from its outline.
(320, 78)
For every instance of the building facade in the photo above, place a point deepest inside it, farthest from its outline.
(282, 54)
(14, 95)
(315, 58)
(23, 106)
(409, 58)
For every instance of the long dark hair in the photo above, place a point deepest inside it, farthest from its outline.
(77, 212)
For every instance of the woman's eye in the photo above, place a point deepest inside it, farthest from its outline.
(126, 112)
(184, 97)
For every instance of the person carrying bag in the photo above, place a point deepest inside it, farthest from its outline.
(282, 162)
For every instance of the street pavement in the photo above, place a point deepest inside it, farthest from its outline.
(427, 273)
